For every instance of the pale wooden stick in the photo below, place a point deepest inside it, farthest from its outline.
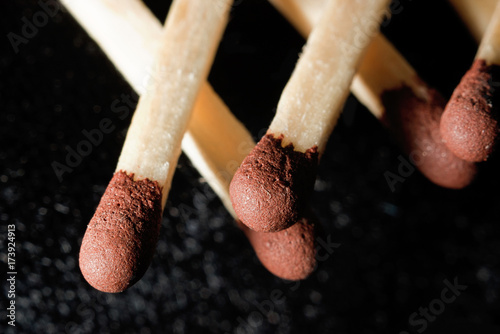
(113, 24)
(191, 35)
(476, 14)
(489, 49)
(313, 98)
(128, 33)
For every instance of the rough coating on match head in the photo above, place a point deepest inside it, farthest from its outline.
(289, 254)
(270, 188)
(469, 124)
(415, 123)
(121, 238)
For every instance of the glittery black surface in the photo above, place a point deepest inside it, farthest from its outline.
(396, 248)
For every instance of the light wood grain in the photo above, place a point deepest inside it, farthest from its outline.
(315, 94)
(187, 47)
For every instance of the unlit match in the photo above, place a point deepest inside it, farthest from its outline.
(289, 254)
(121, 238)
(269, 188)
(469, 124)
(393, 92)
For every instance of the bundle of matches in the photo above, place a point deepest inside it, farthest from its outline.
(393, 92)
(469, 124)
(214, 142)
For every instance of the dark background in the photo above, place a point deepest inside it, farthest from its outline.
(396, 248)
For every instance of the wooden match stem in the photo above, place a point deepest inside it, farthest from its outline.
(489, 49)
(476, 14)
(382, 68)
(315, 94)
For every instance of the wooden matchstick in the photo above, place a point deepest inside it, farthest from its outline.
(268, 189)
(476, 14)
(392, 91)
(121, 238)
(216, 142)
(289, 254)
(469, 124)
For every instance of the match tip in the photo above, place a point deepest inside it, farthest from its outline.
(121, 238)
(415, 122)
(269, 189)
(469, 124)
(289, 254)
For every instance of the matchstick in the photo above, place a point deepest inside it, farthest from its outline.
(269, 188)
(476, 14)
(469, 124)
(392, 91)
(216, 142)
(121, 238)
(288, 254)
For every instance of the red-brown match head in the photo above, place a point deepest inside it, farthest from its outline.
(289, 254)
(121, 238)
(469, 124)
(270, 188)
(415, 122)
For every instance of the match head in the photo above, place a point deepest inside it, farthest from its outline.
(121, 238)
(289, 254)
(269, 189)
(415, 123)
(469, 125)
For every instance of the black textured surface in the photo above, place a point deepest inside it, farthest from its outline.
(396, 248)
